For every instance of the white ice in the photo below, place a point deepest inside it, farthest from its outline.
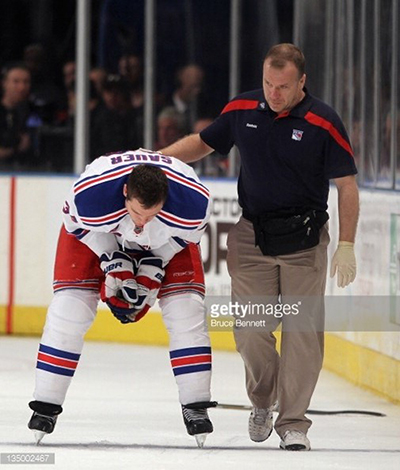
(122, 412)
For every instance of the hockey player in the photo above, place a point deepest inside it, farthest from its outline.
(131, 227)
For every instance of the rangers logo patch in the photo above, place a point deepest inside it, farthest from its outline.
(297, 135)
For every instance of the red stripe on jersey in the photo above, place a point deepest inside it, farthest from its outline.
(182, 289)
(114, 215)
(240, 105)
(183, 286)
(197, 186)
(76, 285)
(179, 220)
(183, 361)
(57, 361)
(83, 185)
(321, 122)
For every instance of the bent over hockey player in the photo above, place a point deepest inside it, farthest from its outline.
(132, 224)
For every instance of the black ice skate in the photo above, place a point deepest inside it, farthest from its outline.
(197, 422)
(44, 418)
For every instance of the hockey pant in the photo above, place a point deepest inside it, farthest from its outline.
(73, 310)
(63, 337)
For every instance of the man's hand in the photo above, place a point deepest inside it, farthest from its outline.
(344, 261)
(149, 277)
(119, 290)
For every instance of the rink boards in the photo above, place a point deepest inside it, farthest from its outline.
(30, 208)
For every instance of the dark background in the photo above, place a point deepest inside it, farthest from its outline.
(187, 31)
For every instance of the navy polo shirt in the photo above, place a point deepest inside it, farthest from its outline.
(287, 160)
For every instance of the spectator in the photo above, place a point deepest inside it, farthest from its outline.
(68, 77)
(170, 127)
(98, 76)
(185, 98)
(69, 73)
(45, 95)
(93, 102)
(57, 142)
(18, 124)
(114, 125)
(130, 67)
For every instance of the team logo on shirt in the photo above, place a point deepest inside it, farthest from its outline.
(297, 135)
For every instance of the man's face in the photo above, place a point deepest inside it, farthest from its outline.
(168, 131)
(17, 85)
(131, 68)
(114, 100)
(283, 88)
(69, 73)
(191, 82)
(138, 213)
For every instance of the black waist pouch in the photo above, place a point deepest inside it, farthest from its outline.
(282, 234)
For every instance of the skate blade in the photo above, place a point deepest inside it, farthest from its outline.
(39, 436)
(201, 439)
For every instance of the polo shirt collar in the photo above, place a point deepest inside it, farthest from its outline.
(300, 110)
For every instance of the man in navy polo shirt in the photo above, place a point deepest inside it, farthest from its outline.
(291, 144)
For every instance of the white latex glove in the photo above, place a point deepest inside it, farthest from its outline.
(344, 261)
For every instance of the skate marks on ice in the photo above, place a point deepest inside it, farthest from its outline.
(229, 446)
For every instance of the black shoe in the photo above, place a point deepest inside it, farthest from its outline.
(197, 421)
(43, 419)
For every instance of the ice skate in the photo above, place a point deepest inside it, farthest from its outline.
(197, 421)
(43, 419)
(260, 424)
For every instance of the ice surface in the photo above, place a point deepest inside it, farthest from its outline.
(122, 412)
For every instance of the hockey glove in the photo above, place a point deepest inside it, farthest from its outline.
(149, 277)
(344, 262)
(125, 315)
(119, 289)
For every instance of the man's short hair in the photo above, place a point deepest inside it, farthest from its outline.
(148, 184)
(280, 54)
(19, 65)
(170, 112)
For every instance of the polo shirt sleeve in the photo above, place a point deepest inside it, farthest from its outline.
(338, 154)
(339, 158)
(219, 135)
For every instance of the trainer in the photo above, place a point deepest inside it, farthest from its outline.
(291, 144)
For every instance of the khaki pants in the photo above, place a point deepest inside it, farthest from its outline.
(291, 376)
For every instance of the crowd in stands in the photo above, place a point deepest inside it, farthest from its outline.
(37, 116)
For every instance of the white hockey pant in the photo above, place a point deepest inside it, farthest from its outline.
(69, 316)
(184, 316)
(72, 312)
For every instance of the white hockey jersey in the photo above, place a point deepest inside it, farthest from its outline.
(95, 209)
